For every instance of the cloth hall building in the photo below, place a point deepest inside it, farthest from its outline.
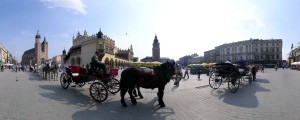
(84, 47)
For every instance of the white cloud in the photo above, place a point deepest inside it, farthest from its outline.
(75, 5)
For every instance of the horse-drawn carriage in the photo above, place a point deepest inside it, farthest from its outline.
(99, 88)
(230, 73)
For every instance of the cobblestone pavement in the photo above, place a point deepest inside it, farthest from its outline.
(274, 96)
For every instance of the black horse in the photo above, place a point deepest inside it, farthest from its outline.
(132, 77)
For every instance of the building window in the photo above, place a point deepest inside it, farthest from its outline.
(267, 44)
(261, 57)
(78, 61)
(101, 46)
(261, 49)
(277, 49)
(241, 49)
(277, 56)
(256, 50)
(72, 61)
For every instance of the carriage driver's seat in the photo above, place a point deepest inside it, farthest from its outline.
(95, 70)
(243, 70)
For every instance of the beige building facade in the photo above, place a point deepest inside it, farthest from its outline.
(84, 47)
(3, 55)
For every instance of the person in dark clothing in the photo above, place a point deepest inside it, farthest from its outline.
(199, 72)
(254, 70)
(96, 62)
(2, 68)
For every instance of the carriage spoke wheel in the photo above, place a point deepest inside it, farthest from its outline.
(113, 86)
(98, 92)
(64, 80)
(234, 82)
(215, 81)
(249, 77)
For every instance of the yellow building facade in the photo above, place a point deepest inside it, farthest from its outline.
(84, 47)
(4, 55)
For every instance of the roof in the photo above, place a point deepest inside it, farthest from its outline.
(30, 51)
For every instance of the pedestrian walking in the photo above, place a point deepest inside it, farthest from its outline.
(262, 69)
(254, 70)
(186, 73)
(199, 72)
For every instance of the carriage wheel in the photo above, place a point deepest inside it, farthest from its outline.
(113, 86)
(64, 81)
(215, 81)
(249, 77)
(81, 84)
(234, 82)
(98, 92)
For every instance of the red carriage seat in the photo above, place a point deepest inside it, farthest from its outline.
(113, 71)
(75, 69)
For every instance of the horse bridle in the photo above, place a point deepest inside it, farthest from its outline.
(164, 77)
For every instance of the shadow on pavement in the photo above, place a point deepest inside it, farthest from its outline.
(35, 76)
(114, 111)
(70, 96)
(108, 110)
(246, 92)
(262, 80)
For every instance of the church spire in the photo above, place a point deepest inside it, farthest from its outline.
(37, 34)
(155, 39)
(99, 34)
(85, 33)
(78, 34)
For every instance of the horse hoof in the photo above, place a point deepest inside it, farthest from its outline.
(134, 102)
(141, 97)
(162, 106)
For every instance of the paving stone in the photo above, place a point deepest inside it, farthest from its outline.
(274, 96)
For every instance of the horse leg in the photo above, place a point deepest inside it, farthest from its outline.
(134, 92)
(55, 75)
(139, 92)
(44, 74)
(133, 100)
(123, 92)
(160, 95)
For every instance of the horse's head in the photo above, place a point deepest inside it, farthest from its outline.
(168, 69)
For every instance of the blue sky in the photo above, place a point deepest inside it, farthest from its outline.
(183, 27)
